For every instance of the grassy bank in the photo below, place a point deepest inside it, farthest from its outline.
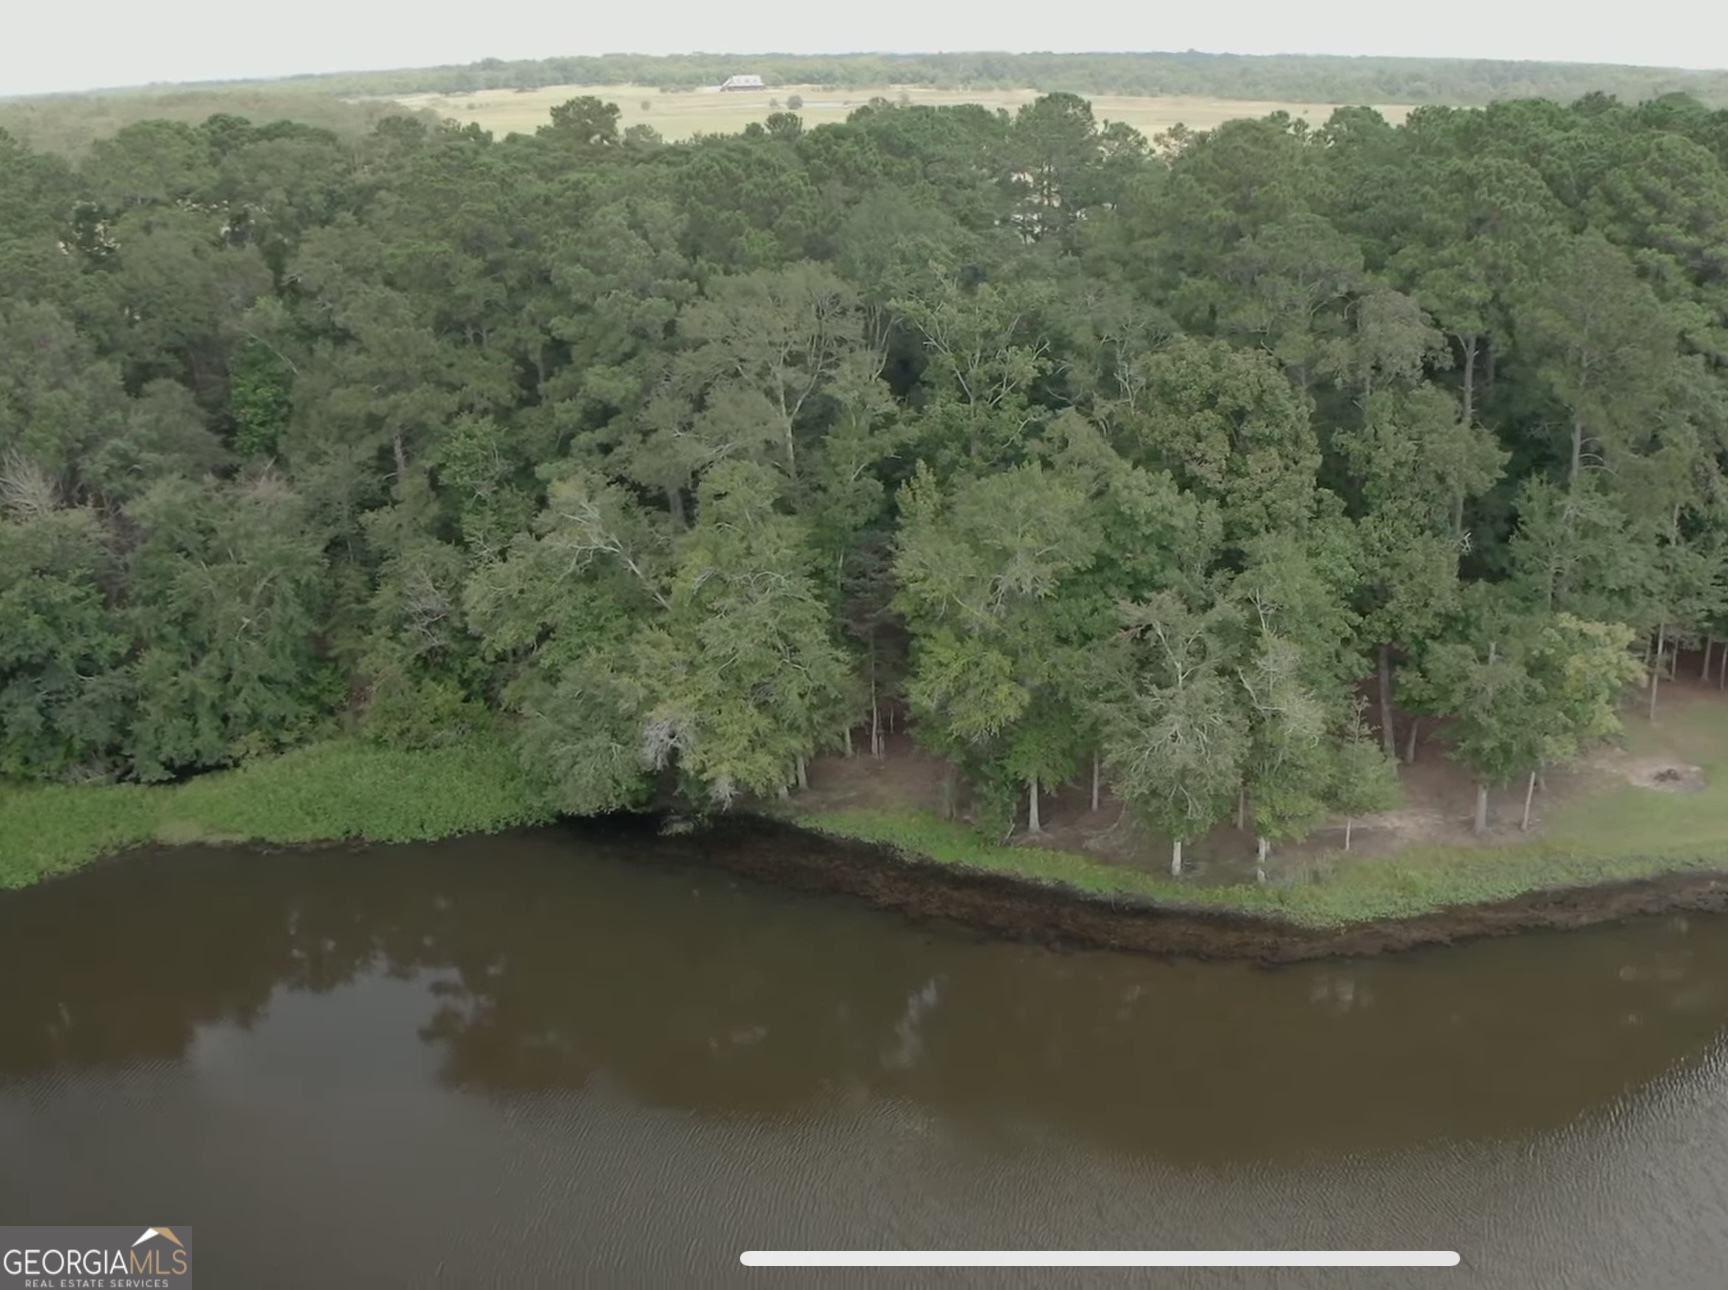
(346, 789)
(1608, 830)
(1341, 890)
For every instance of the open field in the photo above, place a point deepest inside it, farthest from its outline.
(681, 115)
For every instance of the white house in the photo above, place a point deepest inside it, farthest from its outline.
(743, 83)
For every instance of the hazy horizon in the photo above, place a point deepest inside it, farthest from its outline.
(189, 41)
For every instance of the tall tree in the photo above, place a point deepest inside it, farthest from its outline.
(1175, 728)
(982, 572)
(1605, 345)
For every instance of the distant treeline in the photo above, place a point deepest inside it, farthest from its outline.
(1284, 77)
(67, 124)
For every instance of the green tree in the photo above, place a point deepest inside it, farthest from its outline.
(227, 592)
(1364, 776)
(585, 122)
(1604, 342)
(982, 571)
(1175, 729)
(1415, 462)
(1526, 690)
(744, 678)
(1287, 771)
(64, 695)
(1228, 426)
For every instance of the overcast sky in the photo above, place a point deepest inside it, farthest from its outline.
(47, 46)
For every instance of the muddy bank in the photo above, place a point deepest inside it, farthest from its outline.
(777, 852)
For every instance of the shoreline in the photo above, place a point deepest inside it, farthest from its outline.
(1015, 907)
(345, 792)
(778, 852)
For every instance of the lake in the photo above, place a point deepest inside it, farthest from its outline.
(583, 1056)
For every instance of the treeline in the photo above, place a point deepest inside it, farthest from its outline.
(688, 461)
(1278, 78)
(69, 123)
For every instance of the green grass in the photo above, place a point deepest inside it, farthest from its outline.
(1348, 889)
(1614, 835)
(1632, 818)
(348, 789)
(344, 789)
(920, 835)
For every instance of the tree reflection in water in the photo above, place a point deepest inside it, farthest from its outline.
(553, 957)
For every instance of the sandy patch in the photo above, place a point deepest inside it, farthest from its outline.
(1663, 774)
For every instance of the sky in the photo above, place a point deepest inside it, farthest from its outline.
(49, 47)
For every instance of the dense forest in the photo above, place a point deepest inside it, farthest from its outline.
(1302, 78)
(1202, 467)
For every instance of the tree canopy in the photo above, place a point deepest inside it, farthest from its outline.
(677, 462)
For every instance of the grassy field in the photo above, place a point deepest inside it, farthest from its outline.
(346, 789)
(1615, 832)
(681, 115)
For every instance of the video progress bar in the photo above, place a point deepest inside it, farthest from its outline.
(1099, 1258)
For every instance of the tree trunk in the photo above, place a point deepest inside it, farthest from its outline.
(875, 717)
(849, 741)
(1176, 857)
(803, 772)
(401, 460)
(1656, 668)
(1469, 344)
(1264, 846)
(1410, 747)
(675, 506)
(1481, 808)
(1704, 672)
(1094, 780)
(1347, 824)
(1529, 794)
(1242, 807)
(1032, 823)
(1577, 453)
(1387, 738)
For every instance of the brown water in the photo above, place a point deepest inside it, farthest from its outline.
(581, 1058)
